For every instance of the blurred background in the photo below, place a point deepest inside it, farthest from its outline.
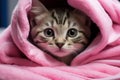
(6, 8)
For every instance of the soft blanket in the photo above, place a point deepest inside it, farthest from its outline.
(21, 60)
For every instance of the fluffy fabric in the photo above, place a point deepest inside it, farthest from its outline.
(21, 60)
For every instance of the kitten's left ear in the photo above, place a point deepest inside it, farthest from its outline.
(82, 17)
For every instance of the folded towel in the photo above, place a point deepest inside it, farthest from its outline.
(21, 60)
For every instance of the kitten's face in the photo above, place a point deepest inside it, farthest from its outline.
(61, 33)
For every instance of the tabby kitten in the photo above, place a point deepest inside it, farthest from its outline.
(62, 33)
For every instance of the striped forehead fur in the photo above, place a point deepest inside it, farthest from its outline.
(60, 16)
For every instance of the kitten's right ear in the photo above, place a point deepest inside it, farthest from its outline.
(38, 7)
(38, 12)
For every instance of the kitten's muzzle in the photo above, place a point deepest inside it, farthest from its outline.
(60, 45)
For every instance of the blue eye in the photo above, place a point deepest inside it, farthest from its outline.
(72, 32)
(48, 32)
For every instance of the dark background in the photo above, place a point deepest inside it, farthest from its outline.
(3, 13)
(6, 8)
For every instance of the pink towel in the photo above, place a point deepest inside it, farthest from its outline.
(21, 60)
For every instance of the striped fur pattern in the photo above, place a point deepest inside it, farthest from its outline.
(62, 33)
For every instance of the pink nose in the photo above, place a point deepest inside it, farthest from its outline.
(60, 45)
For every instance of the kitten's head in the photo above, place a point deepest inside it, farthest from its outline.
(61, 32)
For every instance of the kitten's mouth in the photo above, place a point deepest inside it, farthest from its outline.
(60, 50)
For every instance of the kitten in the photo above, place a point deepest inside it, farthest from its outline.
(62, 33)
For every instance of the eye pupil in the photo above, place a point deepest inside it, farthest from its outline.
(72, 32)
(49, 32)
